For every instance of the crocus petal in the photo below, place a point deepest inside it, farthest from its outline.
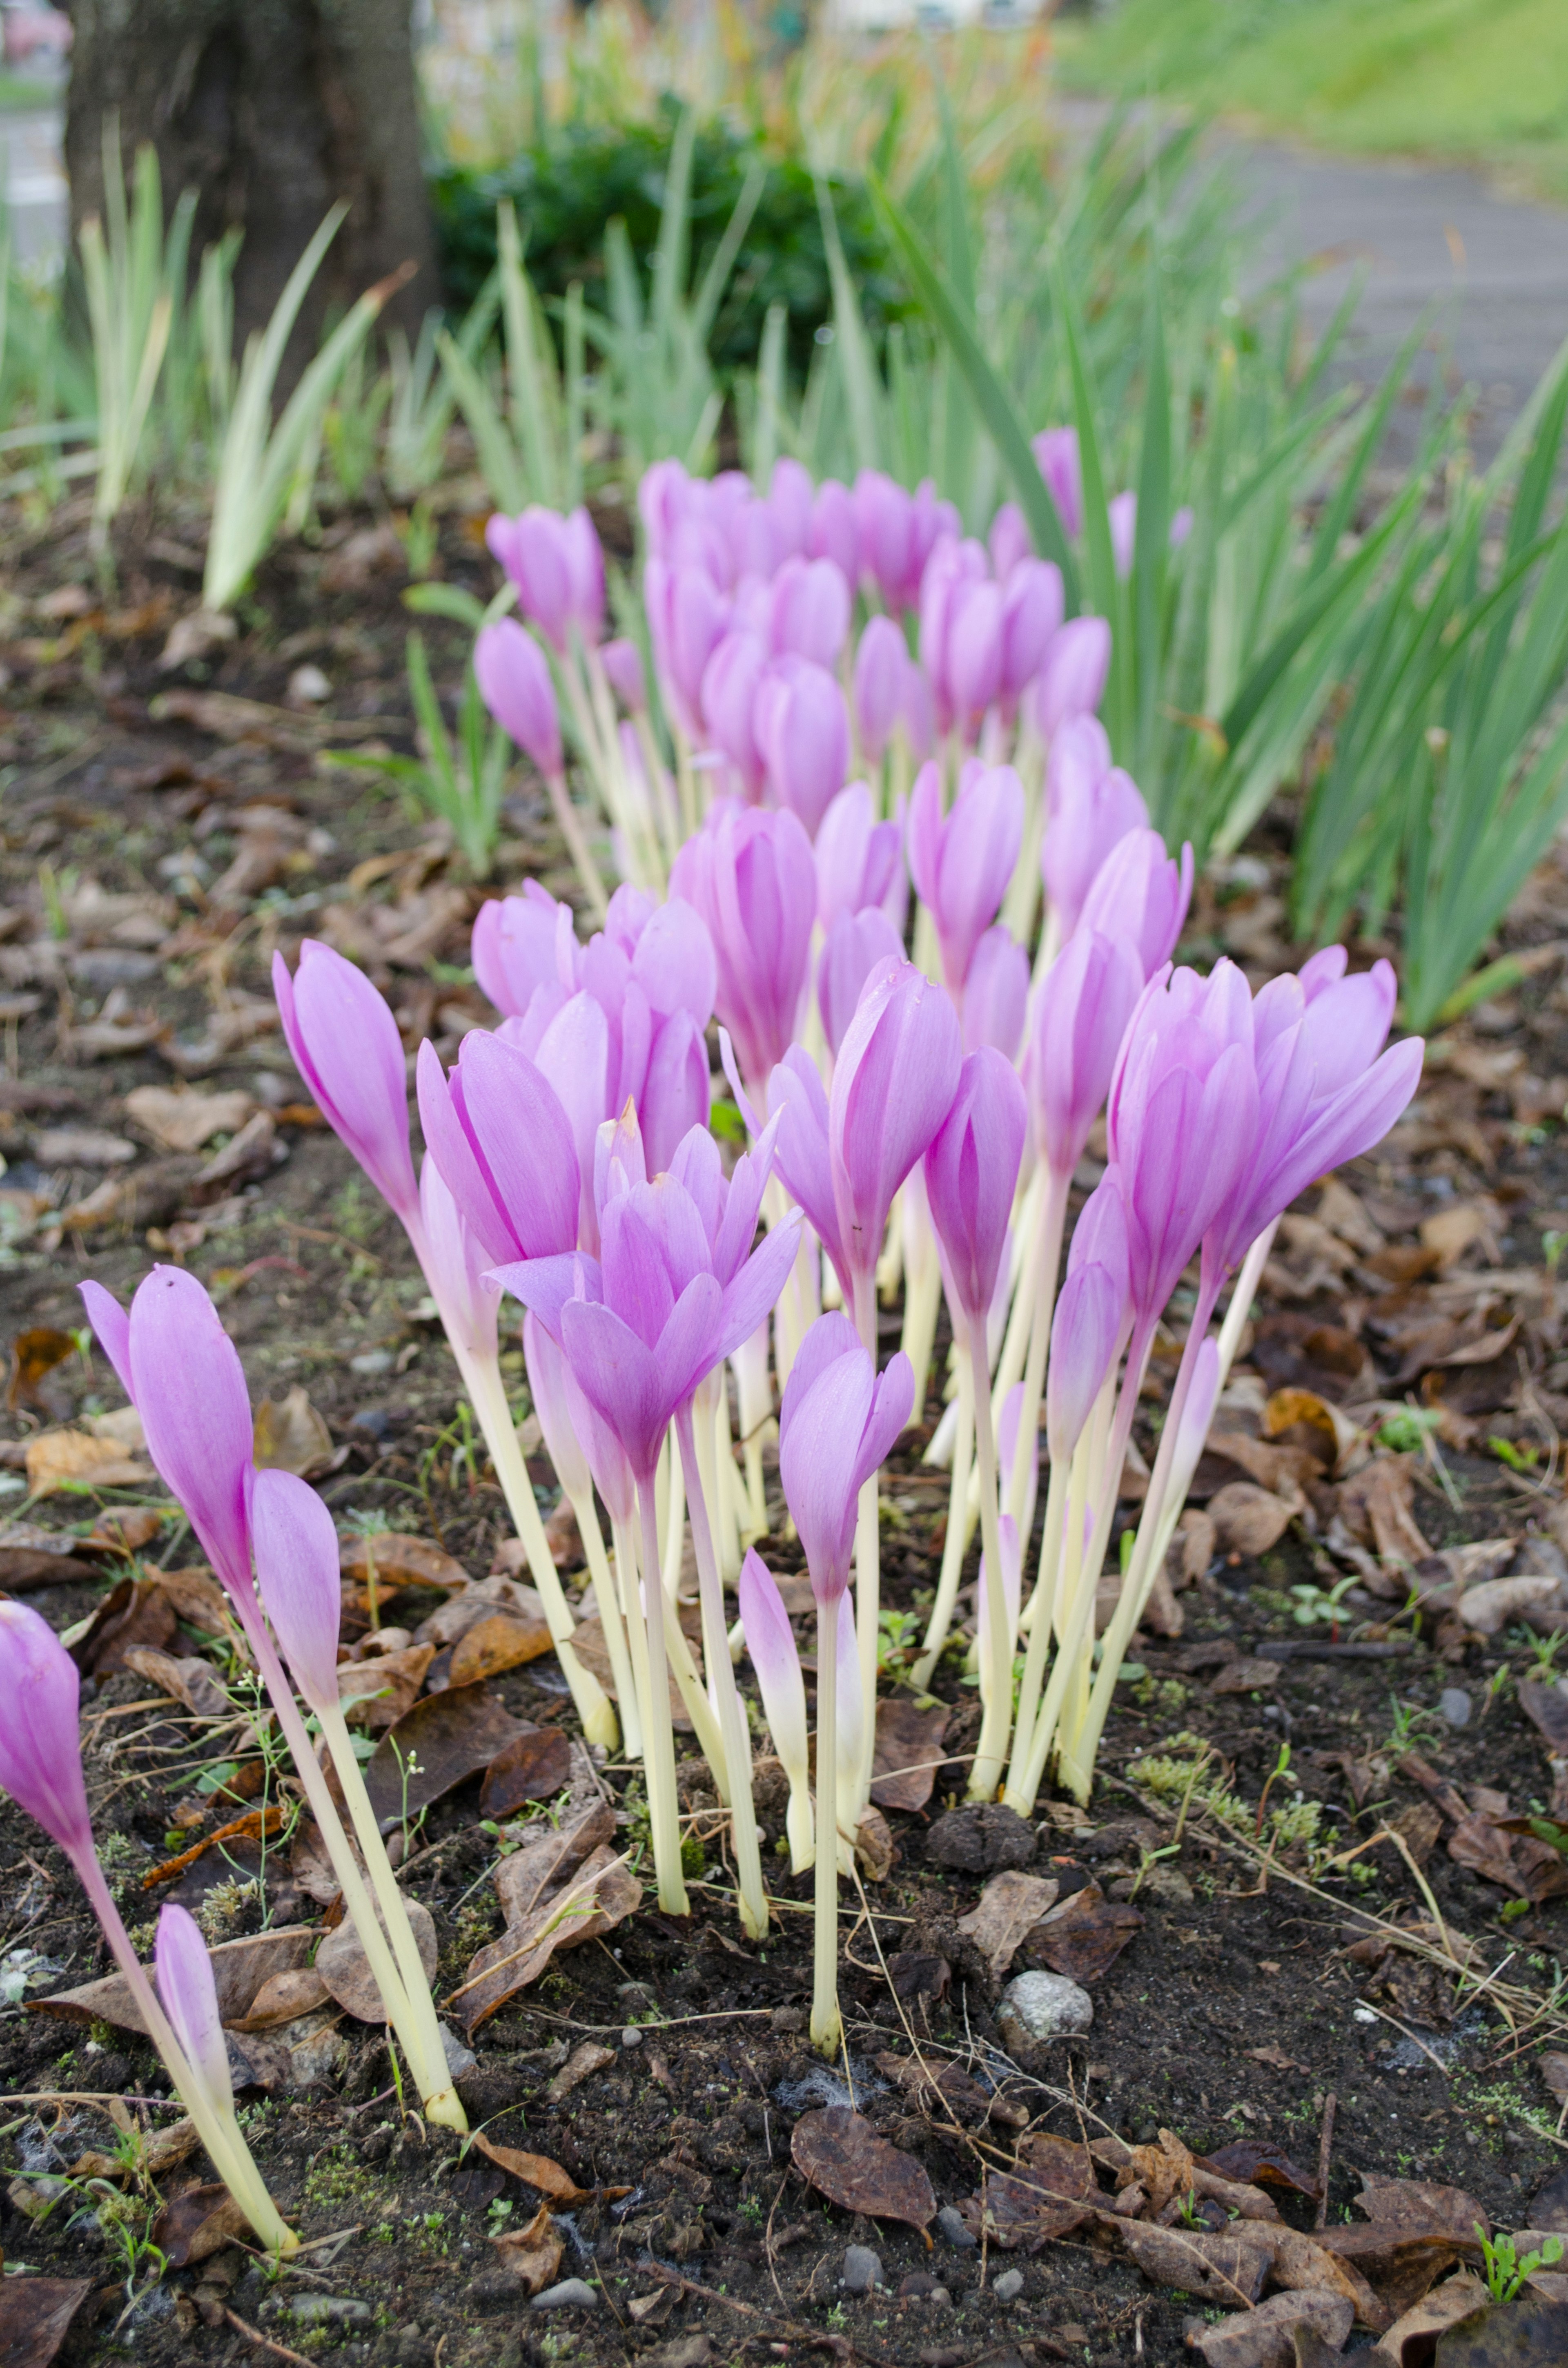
(547, 1387)
(770, 1642)
(190, 1393)
(111, 1328)
(971, 1172)
(1084, 1330)
(454, 1266)
(189, 1995)
(41, 1746)
(297, 1572)
(347, 1047)
(818, 1449)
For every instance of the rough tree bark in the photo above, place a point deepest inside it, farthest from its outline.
(271, 110)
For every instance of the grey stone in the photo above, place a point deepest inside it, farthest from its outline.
(460, 2060)
(1453, 1703)
(1009, 2285)
(962, 2239)
(1045, 2006)
(632, 2036)
(862, 2270)
(571, 2294)
(329, 2310)
(939, 2297)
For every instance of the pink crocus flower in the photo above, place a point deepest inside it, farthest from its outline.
(346, 1048)
(514, 684)
(837, 1423)
(750, 876)
(558, 568)
(504, 1145)
(1073, 674)
(1091, 804)
(1080, 1017)
(803, 731)
(860, 860)
(970, 1174)
(855, 944)
(962, 863)
(809, 610)
(1056, 456)
(1141, 893)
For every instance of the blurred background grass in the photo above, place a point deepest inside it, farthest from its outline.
(1480, 81)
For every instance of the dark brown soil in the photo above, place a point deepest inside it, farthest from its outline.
(1235, 2010)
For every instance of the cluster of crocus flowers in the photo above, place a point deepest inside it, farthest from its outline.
(41, 1768)
(928, 981)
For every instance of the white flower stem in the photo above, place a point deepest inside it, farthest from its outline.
(953, 1550)
(1040, 1283)
(997, 1643)
(658, 1737)
(606, 1595)
(826, 2027)
(726, 1694)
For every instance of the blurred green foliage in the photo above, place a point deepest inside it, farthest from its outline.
(569, 186)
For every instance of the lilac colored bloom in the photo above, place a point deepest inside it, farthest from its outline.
(1122, 510)
(454, 1266)
(686, 615)
(1008, 541)
(971, 1172)
(885, 536)
(954, 570)
(882, 662)
(834, 534)
(856, 943)
(791, 503)
(1031, 619)
(1181, 1120)
(730, 684)
(513, 682)
(1085, 1332)
(504, 1145)
(1091, 805)
(972, 677)
(189, 1995)
(297, 1574)
(1056, 456)
(1141, 893)
(809, 611)
(1324, 1095)
(770, 1643)
(797, 1098)
(860, 860)
(585, 1450)
(181, 1372)
(837, 1422)
(519, 944)
(1086, 1000)
(346, 1048)
(622, 663)
(676, 1091)
(1071, 680)
(893, 1082)
(558, 568)
(931, 521)
(995, 993)
(961, 864)
(751, 877)
(1099, 1237)
(802, 731)
(1196, 1414)
(41, 1743)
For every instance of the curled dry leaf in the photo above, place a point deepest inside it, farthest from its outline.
(1265, 2337)
(1248, 1520)
(135, 1613)
(1421, 2205)
(1476, 1844)
(555, 2184)
(534, 1766)
(1010, 1907)
(35, 1354)
(283, 1997)
(1084, 1934)
(1256, 2161)
(381, 1689)
(305, 2054)
(908, 1751)
(587, 2058)
(1228, 2268)
(39, 2316)
(389, 1561)
(875, 1850)
(1546, 1707)
(532, 2255)
(239, 1969)
(343, 1967)
(500, 1641)
(192, 1682)
(186, 1121)
(1419, 2326)
(291, 1436)
(453, 1734)
(163, 2151)
(252, 1827)
(1488, 1608)
(1248, 1676)
(1376, 1508)
(196, 2225)
(57, 1459)
(601, 1893)
(1529, 2333)
(1335, 1437)
(837, 2152)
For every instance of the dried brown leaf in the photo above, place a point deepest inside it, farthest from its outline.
(291, 1436)
(1248, 1676)
(1249, 1519)
(192, 1680)
(382, 1687)
(239, 1969)
(197, 2224)
(344, 1968)
(555, 2185)
(38, 2315)
(453, 1734)
(532, 2255)
(534, 1766)
(187, 1121)
(57, 1459)
(908, 1751)
(1010, 1907)
(1084, 1934)
(1418, 2327)
(1254, 2160)
(837, 2152)
(500, 1641)
(1227, 2268)
(1265, 2337)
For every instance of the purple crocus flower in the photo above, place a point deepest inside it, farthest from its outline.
(954, 571)
(1073, 674)
(797, 1099)
(856, 943)
(972, 1174)
(837, 1423)
(995, 993)
(834, 534)
(1122, 511)
(1056, 457)
(504, 1145)
(519, 944)
(1181, 1120)
(974, 654)
(1085, 1333)
(346, 1048)
(885, 536)
(750, 876)
(189, 1995)
(1091, 805)
(802, 731)
(882, 665)
(860, 860)
(1008, 541)
(809, 610)
(40, 1743)
(513, 682)
(731, 681)
(622, 663)
(961, 864)
(1086, 1000)
(558, 568)
(686, 615)
(1141, 893)
(893, 1081)
(1031, 619)
(297, 1572)
(770, 1643)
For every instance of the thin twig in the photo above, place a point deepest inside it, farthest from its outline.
(254, 2335)
(1325, 2156)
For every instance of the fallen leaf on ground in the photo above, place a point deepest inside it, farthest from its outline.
(1402, 2264)
(282, 1998)
(38, 2315)
(307, 2053)
(587, 2058)
(35, 1353)
(1490, 1607)
(1426, 2320)
(1277, 2061)
(382, 1688)
(534, 1766)
(1084, 1934)
(197, 2224)
(291, 1436)
(389, 1560)
(601, 1893)
(344, 1968)
(1546, 1707)
(948, 2089)
(837, 2152)
(249, 1828)
(1422, 2204)
(1256, 2162)
(1248, 1520)
(1524, 2334)
(164, 2150)
(555, 2185)
(193, 1682)
(1306, 2266)
(453, 1734)
(588, 1644)
(875, 1850)
(26, 1565)
(1475, 1843)
(239, 1969)
(1248, 1676)
(1375, 1507)
(908, 1751)
(135, 1612)
(58, 1458)
(187, 1121)
(501, 1641)
(1265, 2337)
(1553, 2069)
(1011, 1905)
(1227, 2267)
(532, 2255)
(1018, 2213)
(124, 1532)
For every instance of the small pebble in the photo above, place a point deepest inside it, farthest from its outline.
(862, 2270)
(1009, 2285)
(939, 2297)
(1453, 1703)
(460, 2060)
(571, 2294)
(632, 2036)
(329, 2310)
(962, 2239)
(1045, 2006)
(918, 2286)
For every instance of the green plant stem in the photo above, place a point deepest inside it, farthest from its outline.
(826, 2028)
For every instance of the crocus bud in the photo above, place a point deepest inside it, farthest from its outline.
(790, 504)
(802, 729)
(856, 943)
(971, 1172)
(497, 1132)
(730, 684)
(1031, 617)
(953, 569)
(346, 1048)
(548, 1377)
(1122, 509)
(859, 859)
(974, 654)
(513, 682)
(1071, 678)
(751, 878)
(558, 568)
(189, 1995)
(675, 1091)
(1141, 893)
(881, 664)
(809, 613)
(892, 1084)
(833, 531)
(1084, 1332)
(1086, 1000)
(686, 615)
(296, 1568)
(1091, 805)
(519, 944)
(1008, 541)
(837, 1422)
(1056, 456)
(40, 1745)
(622, 663)
(770, 1642)
(995, 993)
(961, 864)
(884, 533)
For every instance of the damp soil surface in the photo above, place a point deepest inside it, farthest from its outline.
(157, 850)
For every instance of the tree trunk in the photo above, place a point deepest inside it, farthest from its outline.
(271, 111)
